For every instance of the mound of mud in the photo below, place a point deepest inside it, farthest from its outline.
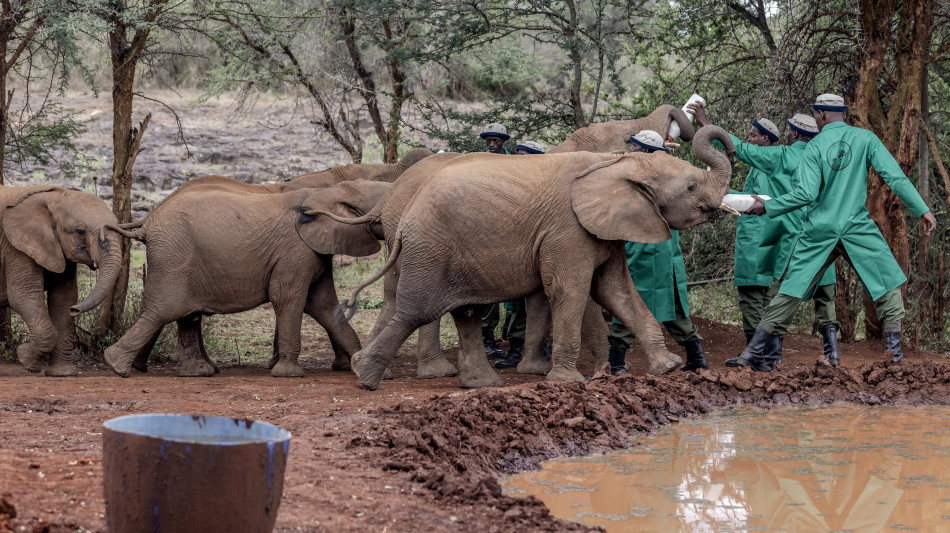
(457, 445)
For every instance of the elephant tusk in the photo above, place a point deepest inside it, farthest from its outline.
(730, 209)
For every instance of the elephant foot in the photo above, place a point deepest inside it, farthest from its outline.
(439, 367)
(663, 362)
(388, 375)
(535, 365)
(286, 368)
(340, 362)
(564, 374)
(28, 359)
(120, 365)
(273, 361)
(477, 381)
(367, 372)
(141, 363)
(193, 368)
(62, 370)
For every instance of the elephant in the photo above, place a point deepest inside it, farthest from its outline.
(614, 136)
(221, 247)
(364, 171)
(47, 231)
(566, 218)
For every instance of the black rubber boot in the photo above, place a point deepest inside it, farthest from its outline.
(492, 351)
(760, 352)
(617, 359)
(778, 354)
(695, 358)
(514, 355)
(892, 342)
(748, 338)
(733, 361)
(830, 336)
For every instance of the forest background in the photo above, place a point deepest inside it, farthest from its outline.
(378, 77)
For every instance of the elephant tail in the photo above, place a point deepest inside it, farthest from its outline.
(345, 311)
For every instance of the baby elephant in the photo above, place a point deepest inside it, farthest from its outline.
(218, 248)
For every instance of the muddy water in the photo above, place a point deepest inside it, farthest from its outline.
(823, 469)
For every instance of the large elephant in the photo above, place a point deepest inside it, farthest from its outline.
(47, 231)
(221, 247)
(565, 217)
(364, 171)
(615, 135)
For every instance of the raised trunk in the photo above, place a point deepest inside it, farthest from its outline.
(721, 169)
(110, 267)
(687, 131)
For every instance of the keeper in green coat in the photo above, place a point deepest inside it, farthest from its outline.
(764, 245)
(832, 182)
(659, 273)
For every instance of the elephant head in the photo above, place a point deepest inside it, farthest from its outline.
(346, 200)
(56, 225)
(614, 135)
(639, 197)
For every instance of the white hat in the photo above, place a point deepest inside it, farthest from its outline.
(648, 139)
(803, 124)
(495, 130)
(767, 127)
(829, 102)
(532, 147)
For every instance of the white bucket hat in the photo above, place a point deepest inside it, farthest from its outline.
(650, 140)
(829, 102)
(767, 127)
(803, 124)
(495, 129)
(532, 147)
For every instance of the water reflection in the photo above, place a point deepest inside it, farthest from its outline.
(824, 469)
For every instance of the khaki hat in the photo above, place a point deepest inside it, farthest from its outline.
(532, 147)
(650, 140)
(495, 130)
(767, 127)
(803, 124)
(829, 102)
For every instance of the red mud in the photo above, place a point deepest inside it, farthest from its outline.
(415, 455)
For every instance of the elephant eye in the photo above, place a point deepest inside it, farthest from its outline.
(81, 232)
(692, 187)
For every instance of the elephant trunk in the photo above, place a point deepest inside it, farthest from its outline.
(110, 264)
(687, 131)
(703, 149)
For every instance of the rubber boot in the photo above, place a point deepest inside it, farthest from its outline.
(778, 353)
(760, 352)
(892, 342)
(831, 345)
(514, 355)
(492, 351)
(695, 358)
(617, 359)
(732, 361)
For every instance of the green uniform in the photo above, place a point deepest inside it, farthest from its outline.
(764, 245)
(832, 182)
(659, 273)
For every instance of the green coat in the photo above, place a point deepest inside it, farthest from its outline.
(764, 245)
(832, 181)
(658, 271)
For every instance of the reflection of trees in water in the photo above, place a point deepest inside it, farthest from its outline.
(802, 470)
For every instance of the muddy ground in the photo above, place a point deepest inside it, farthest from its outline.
(416, 455)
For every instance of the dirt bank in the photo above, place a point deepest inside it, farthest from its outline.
(415, 455)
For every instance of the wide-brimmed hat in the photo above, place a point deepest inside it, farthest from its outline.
(829, 102)
(495, 130)
(649, 139)
(767, 127)
(803, 124)
(532, 147)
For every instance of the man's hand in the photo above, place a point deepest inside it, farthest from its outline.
(929, 223)
(758, 208)
(699, 113)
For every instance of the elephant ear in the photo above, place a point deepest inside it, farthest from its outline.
(612, 203)
(28, 225)
(326, 236)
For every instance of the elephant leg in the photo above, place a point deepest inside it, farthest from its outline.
(568, 296)
(474, 369)
(62, 292)
(204, 352)
(430, 361)
(289, 302)
(613, 288)
(371, 362)
(142, 334)
(539, 320)
(141, 358)
(388, 309)
(190, 361)
(26, 294)
(594, 332)
(321, 304)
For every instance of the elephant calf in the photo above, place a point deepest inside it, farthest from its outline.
(218, 248)
(47, 231)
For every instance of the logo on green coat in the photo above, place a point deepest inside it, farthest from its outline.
(839, 155)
